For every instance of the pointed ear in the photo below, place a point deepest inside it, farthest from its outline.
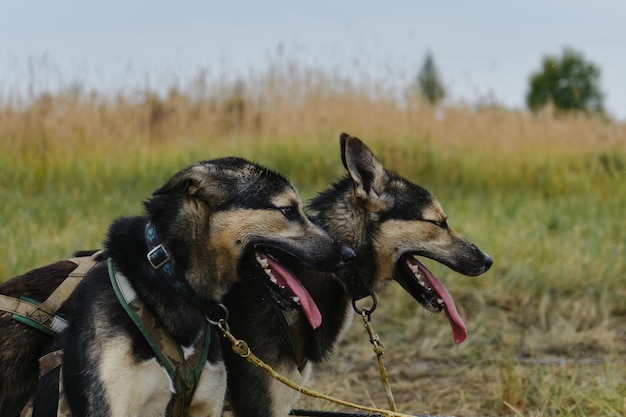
(364, 169)
(198, 181)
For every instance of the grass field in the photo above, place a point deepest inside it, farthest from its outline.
(544, 195)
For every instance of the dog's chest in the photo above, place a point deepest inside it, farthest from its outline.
(208, 399)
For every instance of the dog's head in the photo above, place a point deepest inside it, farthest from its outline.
(389, 221)
(229, 218)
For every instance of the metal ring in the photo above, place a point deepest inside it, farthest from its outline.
(366, 311)
(221, 319)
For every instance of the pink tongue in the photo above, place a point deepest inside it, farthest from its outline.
(459, 331)
(284, 277)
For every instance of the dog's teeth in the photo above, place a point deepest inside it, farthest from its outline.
(418, 274)
(263, 262)
(296, 299)
(440, 301)
(272, 278)
(422, 282)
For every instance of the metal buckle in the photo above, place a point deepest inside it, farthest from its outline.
(158, 257)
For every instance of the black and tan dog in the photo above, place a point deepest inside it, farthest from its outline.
(388, 221)
(213, 224)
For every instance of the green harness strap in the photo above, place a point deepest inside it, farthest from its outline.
(295, 328)
(28, 311)
(185, 373)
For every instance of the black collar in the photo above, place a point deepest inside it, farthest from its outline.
(160, 259)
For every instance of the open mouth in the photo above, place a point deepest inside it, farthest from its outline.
(427, 290)
(285, 289)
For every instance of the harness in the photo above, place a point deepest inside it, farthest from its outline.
(43, 316)
(184, 371)
(296, 330)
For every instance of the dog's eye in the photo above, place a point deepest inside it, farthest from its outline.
(442, 224)
(290, 213)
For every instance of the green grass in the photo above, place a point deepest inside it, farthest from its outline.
(545, 197)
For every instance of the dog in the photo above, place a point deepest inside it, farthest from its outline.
(211, 225)
(388, 221)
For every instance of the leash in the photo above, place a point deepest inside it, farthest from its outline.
(366, 314)
(241, 348)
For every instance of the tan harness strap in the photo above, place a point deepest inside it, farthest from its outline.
(65, 289)
(43, 316)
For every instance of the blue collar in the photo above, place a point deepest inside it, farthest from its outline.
(158, 257)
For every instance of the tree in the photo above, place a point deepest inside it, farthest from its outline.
(569, 82)
(429, 82)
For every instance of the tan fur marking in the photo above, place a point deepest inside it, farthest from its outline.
(397, 237)
(231, 231)
(208, 399)
(133, 389)
(287, 200)
(434, 213)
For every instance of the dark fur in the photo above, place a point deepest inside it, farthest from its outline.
(211, 217)
(357, 210)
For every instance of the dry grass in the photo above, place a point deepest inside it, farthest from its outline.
(544, 195)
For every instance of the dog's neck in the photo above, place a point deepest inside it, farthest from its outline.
(127, 248)
(338, 214)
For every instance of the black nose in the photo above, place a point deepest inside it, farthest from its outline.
(347, 254)
(488, 262)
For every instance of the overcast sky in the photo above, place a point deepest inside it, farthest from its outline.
(482, 48)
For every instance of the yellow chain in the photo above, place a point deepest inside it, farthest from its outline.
(241, 348)
(379, 350)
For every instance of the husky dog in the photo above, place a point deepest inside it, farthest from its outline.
(138, 342)
(388, 221)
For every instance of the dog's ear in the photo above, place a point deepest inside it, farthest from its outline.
(364, 169)
(197, 181)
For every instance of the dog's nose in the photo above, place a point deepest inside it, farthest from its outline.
(488, 262)
(347, 254)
